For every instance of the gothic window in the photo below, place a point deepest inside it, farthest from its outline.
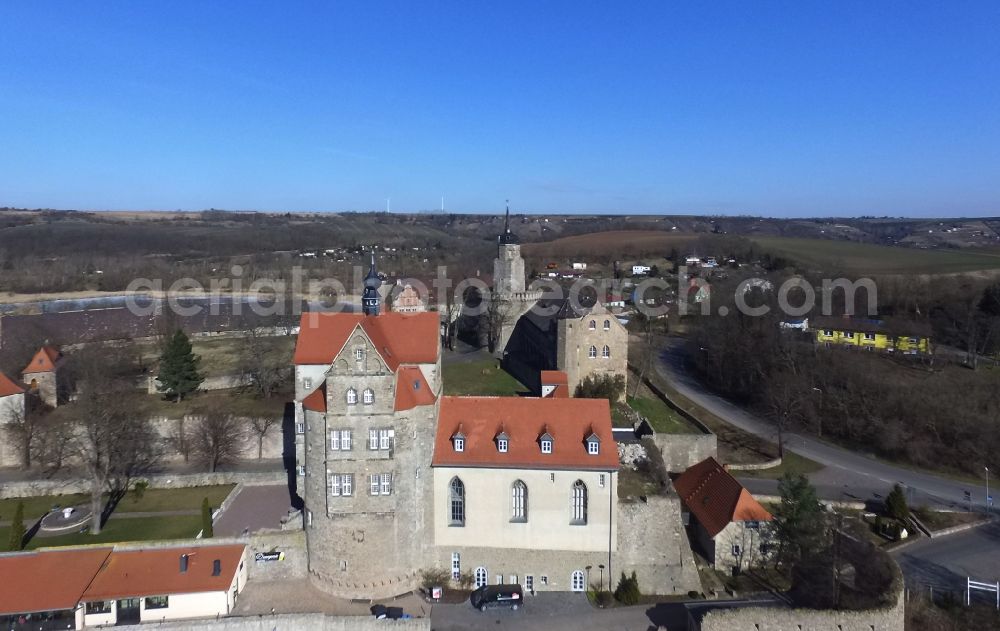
(592, 353)
(607, 325)
(606, 352)
(579, 503)
(457, 504)
(519, 501)
(593, 325)
(352, 396)
(482, 577)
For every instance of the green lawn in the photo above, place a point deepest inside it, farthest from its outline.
(153, 500)
(634, 484)
(878, 259)
(124, 529)
(663, 419)
(483, 378)
(790, 462)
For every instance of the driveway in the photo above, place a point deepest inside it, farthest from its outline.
(559, 611)
(254, 508)
(846, 476)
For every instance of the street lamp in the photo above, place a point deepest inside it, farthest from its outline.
(989, 507)
(588, 568)
(601, 566)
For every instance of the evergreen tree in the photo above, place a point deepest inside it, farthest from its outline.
(17, 529)
(179, 374)
(895, 504)
(627, 592)
(207, 530)
(800, 526)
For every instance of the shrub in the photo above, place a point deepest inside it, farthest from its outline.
(207, 530)
(604, 599)
(139, 489)
(610, 387)
(434, 577)
(895, 504)
(627, 592)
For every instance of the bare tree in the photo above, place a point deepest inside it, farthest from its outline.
(24, 426)
(451, 312)
(260, 426)
(497, 317)
(217, 438)
(112, 444)
(261, 368)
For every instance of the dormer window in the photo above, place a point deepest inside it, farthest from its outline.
(593, 444)
(502, 445)
(458, 442)
(545, 441)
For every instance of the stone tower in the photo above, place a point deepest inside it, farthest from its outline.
(508, 268)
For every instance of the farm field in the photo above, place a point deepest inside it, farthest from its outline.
(610, 244)
(879, 259)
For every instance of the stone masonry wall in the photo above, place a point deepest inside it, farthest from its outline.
(681, 451)
(774, 619)
(292, 622)
(652, 542)
(30, 488)
(576, 338)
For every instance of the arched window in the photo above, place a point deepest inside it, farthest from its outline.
(579, 503)
(456, 503)
(352, 396)
(593, 325)
(369, 396)
(577, 581)
(482, 577)
(519, 501)
(592, 353)
(607, 325)
(606, 353)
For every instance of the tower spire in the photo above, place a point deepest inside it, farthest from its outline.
(506, 219)
(370, 297)
(507, 237)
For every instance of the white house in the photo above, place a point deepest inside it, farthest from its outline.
(638, 270)
(89, 587)
(525, 489)
(579, 266)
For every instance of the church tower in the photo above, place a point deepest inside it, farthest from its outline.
(370, 298)
(508, 268)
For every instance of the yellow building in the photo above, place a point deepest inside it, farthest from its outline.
(909, 338)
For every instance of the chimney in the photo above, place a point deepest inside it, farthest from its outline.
(184, 563)
(216, 567)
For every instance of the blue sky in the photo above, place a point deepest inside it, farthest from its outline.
(784, 109)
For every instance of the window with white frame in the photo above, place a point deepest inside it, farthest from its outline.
(300, 470)
(577, 581)
(456, 503)
(386, 484)
(459, 443)
(502, 445)
(352, 396)
(593, 447)
(600, 480)
(373, 484)
(380, 483)
(456, 566)
(519, 501)
(592, 353)
(482, 578)
(385, 439)
(340, 440)
(606, 352)
(372, 439)
(359, 354)
(579, 503)
(300, 428)
(546, 446)
(307, 383)
(341, 484)
(369, 396)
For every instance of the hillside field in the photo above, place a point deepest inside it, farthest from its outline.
(620, 244)
(879, 259)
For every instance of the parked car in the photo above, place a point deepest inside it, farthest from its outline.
(497, 596)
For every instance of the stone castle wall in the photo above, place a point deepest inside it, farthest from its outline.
(775, 619)
(652, 542)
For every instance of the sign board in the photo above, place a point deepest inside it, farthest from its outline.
(265, 557)
(436, 593)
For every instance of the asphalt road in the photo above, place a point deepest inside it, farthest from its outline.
(944, 563)
(846, 475)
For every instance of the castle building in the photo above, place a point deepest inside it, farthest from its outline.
(43, 375)
(572, 334)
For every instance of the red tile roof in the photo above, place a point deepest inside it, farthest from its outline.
(45, 360)
(715, 498)
(156, 572)
(50, 580)
(560, 380)
(316, 402)
(412, 389)
(400, 338)
(525, 419)
(9, 387)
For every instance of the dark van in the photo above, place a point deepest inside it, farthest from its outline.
(497, 596)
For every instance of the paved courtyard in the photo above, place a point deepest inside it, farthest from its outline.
(300, 596)
(254, 508)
